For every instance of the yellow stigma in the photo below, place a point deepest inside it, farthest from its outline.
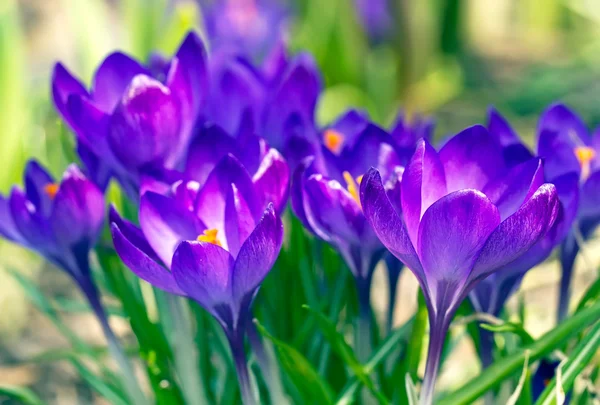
(352, 186)
(584, 154)
(333, 140)
(210, 236)
(51, 189)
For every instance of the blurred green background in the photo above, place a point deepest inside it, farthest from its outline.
(447, 58)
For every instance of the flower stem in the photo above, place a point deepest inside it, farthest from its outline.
(568, 253)
(363, 323)
(185, 353)
(394, 268)
(116, 350)
(265, 361)
(236, 342)
(438, 326)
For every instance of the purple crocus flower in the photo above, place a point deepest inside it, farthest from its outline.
(403, 139)
(566, 147)
(491, 293)
(62, 221)
(213, 242)
(252, 27)
(276, 100)
(545, 372)
(325, 198)
(134, 120)
(460, 216)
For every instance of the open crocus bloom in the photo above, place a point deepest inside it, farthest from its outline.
(214, 243)
(491, 294)
(134, 119)
(61, 221)
(461, 216)
(567, 147)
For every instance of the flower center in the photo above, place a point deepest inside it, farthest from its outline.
(51, 189)
(210, 236)
(352, 186)
(585, 155)
(333, 140)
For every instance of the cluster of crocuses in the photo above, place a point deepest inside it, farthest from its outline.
(211, 148)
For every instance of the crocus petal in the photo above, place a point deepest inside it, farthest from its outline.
(235, 91)
(166, 223)
(350, 125)
(500, 129)
(423, 183)
(257, 254)
(36, 178)
(590, 197)
(8, 228)
(387, 223)
(372, 147)
(141, 264)
(471, 159)
(207, 149)
(561, 119)
(558, 154)
(272, 180)
(509, 192)
(297, 191)
(515, 235)
(210, 204)
(64, 85)
(452, 233)
(192, 58)
(78, 209)
(203, 271)
(296, 95)
(89, 122)
(145, 128)
(33, 228)
(132, 233)
(112, 78)
(331, 211)
(239, 220)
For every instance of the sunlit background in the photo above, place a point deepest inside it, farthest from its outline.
(446, 58)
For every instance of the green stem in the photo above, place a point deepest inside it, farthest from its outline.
(185, 353)
(505, 367)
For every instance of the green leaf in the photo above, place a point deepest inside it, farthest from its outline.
(343, 349)
(21, 394)
(390, 344)
(582, 354)
(411, 390)
(510, 327)
(414, 349)
(592, 294)
(100, 386)
(503, 368)
(309, 383)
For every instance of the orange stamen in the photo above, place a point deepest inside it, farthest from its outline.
(210, 236)
(352, 186)
(333, 140)
(51, 189)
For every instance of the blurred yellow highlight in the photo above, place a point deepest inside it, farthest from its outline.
(352, 186)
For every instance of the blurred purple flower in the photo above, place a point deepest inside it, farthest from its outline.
(460, 216)
(134, 120)
(545, 372)
(62, 222)
(325, 198)
(213, 242)
(491, 293)
(276, 101)
(251, 27)
(376, 16)
(567, 147)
